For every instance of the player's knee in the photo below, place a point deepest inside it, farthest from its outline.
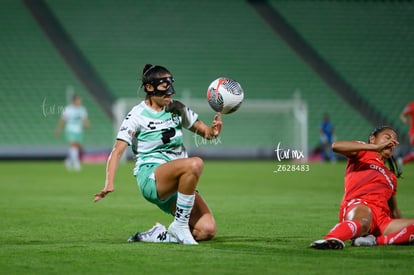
(196, 165)
(363, 215)
(365, 228)
(207, 232)
(365, 224)
(211, 232)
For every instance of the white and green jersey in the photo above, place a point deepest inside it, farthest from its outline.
(74, 117)
(156, 137)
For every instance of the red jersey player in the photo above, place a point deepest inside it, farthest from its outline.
(368, 213)
(407, 117)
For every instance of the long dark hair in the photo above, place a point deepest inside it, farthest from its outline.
(392, 163)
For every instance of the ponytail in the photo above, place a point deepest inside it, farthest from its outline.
(392, 163)
(394, 167)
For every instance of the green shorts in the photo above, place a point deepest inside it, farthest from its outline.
(74, 136)
(146, 183)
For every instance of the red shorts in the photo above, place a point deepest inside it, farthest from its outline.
(380, 218)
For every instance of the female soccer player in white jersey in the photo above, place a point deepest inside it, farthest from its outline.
(74, 118)
(165, 174)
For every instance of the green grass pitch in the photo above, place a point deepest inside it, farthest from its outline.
(266, 220)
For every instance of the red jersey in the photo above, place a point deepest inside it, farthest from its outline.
(368, 179)
(409, 110)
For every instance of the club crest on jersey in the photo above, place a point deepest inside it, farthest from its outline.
(175, 119)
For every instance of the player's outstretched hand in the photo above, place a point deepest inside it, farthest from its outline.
(217, 125)
(101, 195)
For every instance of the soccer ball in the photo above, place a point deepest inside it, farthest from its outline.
(225, 95)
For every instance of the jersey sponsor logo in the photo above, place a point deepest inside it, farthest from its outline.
(167, 134)
(172, 121)
(150, 125)
(382, 171)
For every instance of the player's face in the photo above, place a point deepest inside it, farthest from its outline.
(163, 86)
(163, 100)
(387, 136)
(77, 101)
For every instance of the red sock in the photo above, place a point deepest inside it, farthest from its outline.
(403, 236)
(345, 230)
(408, 158)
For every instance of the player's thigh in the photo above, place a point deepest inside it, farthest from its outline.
(168, 174)
(397, 225)
(172, 170)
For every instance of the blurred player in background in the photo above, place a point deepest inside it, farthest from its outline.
(74, 118)
(407, 117)
(369, 213)
(327, 137)
(165, 174)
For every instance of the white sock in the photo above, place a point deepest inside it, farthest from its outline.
(184, 206)
(74, 157)
(68, 164)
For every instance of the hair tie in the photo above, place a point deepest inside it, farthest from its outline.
(150, 68)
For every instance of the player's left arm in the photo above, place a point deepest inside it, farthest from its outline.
(86, 123)
(208, 132)
(395, 211)
(85, 119)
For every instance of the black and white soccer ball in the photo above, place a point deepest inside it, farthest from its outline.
(225, 95)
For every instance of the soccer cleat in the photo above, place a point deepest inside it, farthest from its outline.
(368, 240)
(182, 234)
(133, 238)
(331, 243)
(150, 236)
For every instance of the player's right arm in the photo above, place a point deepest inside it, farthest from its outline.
(59, 126)
(208, 132)
(351, 148)
(124, 138)
(111, 168)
